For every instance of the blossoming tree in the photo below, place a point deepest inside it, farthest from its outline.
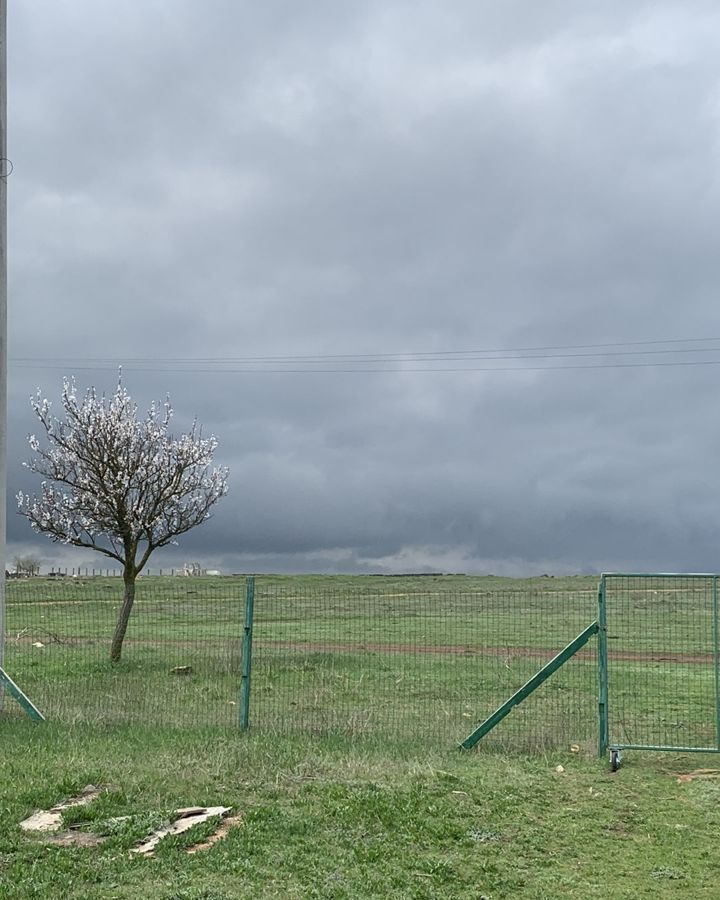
(119, 484)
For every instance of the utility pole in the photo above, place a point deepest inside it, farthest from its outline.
(4, 171)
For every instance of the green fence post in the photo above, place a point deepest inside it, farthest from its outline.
(603, 712)
(716, 648)
(247, 654)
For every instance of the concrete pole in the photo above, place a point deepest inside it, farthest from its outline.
(3, 324)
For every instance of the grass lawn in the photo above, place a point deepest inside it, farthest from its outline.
(349, 782)
(333, 818)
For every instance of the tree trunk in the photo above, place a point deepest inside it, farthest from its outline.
(124, 617)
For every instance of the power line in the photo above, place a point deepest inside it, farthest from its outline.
(394, 371)
(400, 356)
(290, 360)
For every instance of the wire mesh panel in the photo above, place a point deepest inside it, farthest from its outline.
(408, 662)
(181, 658)
(662, 661)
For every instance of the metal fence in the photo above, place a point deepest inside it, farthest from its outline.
(356, 658)
(181, 661)
(414, 659)
(423, 664)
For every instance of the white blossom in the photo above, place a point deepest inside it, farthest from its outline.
(115, 482)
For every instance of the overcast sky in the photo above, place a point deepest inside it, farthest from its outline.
(366, 185)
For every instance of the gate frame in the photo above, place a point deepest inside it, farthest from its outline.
(605, 742)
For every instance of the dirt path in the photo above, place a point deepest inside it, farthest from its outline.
(221, 643)
(546, 653)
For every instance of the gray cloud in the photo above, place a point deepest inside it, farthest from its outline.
(235, 180)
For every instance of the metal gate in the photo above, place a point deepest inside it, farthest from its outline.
(658, 655)
(659, 663)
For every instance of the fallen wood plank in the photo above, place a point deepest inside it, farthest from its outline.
(186, 819)
(48, 820)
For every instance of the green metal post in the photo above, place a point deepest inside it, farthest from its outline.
(603, 712)
(247, 654)
(716, 648)
(25, 702)
(538, 678)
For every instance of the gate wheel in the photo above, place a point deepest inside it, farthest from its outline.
(615, 760)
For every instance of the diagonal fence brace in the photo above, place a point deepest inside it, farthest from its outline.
(538, 678)
(25, 702)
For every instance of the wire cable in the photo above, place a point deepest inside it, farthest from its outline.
(392, 356)
(394, 371)
(430, 362)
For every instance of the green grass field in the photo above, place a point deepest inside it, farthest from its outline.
(333, 818)
(349, 781)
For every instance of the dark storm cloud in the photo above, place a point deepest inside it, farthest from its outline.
(232, 179)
